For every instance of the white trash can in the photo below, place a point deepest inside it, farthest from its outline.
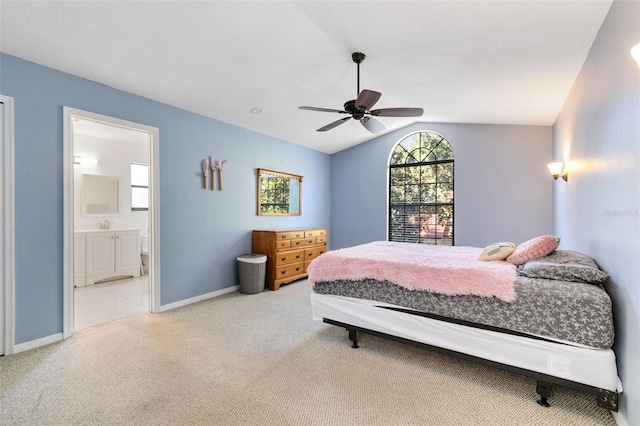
(251, 272)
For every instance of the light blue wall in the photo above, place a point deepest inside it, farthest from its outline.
(202, 232)
(502, 186)
(598, 210)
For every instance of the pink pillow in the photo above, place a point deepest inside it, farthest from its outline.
(533, 249)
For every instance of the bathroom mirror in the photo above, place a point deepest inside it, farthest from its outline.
(279, 194)
(100, 195)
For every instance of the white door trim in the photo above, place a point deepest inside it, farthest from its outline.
(7, 223)
(154, 213)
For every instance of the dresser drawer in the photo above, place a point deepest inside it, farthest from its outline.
(294, 256)
(303, 242)
(283, 244)
(282, 236)
(310, 254)
(315, 233)
(289, 270)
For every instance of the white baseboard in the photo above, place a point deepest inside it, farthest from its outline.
(196, 299)
(32, 344)
(619, 419)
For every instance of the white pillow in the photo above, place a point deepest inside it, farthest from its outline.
(497, 251)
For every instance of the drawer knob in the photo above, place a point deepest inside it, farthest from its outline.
(297, 256)
(283, 259)
(321, 251)
(297, 243)
(297, 269)
(297, 235)
(283, 236)
(283, 272)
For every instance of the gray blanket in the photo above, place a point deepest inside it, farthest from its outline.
(571, 311)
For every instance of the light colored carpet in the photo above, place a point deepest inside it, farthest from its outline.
(260, 360)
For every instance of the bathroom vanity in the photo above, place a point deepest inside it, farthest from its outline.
(105, 254)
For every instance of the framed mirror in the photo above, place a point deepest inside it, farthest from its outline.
(279, 194)
(101, 195)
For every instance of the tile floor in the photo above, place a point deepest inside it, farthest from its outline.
(108, 301)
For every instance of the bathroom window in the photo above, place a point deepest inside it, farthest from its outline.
(139, 187)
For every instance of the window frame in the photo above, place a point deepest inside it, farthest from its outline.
(447, 228)
(139, 209)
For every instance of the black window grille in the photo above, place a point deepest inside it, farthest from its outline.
(421, 190)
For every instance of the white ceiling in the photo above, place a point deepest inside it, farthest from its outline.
(499, 62)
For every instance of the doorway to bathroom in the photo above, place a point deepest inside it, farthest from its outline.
(110, 220)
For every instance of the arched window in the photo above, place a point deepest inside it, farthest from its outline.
(421, 190)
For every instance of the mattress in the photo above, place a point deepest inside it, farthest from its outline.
(575, 313)
(592, 367)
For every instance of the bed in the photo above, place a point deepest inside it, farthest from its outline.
(546, 315)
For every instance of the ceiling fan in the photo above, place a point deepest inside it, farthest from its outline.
(360, 108)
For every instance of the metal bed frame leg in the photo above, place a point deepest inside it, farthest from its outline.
(608, 400)
(544, 390)
(353, 336)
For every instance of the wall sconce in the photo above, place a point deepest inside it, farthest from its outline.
(84, 161)
(635, 52)
(556, 170)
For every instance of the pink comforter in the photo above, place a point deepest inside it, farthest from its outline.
(439, 269)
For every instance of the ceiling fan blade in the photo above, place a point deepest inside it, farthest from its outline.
(367, 99)
(372, 125)
(322, 109)
(334, 124)
(397, 112)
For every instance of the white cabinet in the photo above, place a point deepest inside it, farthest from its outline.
(100, 255)
(127, 251)
(110, 254)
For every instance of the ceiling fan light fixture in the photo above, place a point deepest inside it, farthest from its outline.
(372, 125)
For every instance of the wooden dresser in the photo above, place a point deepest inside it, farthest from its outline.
(289, 252)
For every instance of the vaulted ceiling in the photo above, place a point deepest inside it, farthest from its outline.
(499, 62)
